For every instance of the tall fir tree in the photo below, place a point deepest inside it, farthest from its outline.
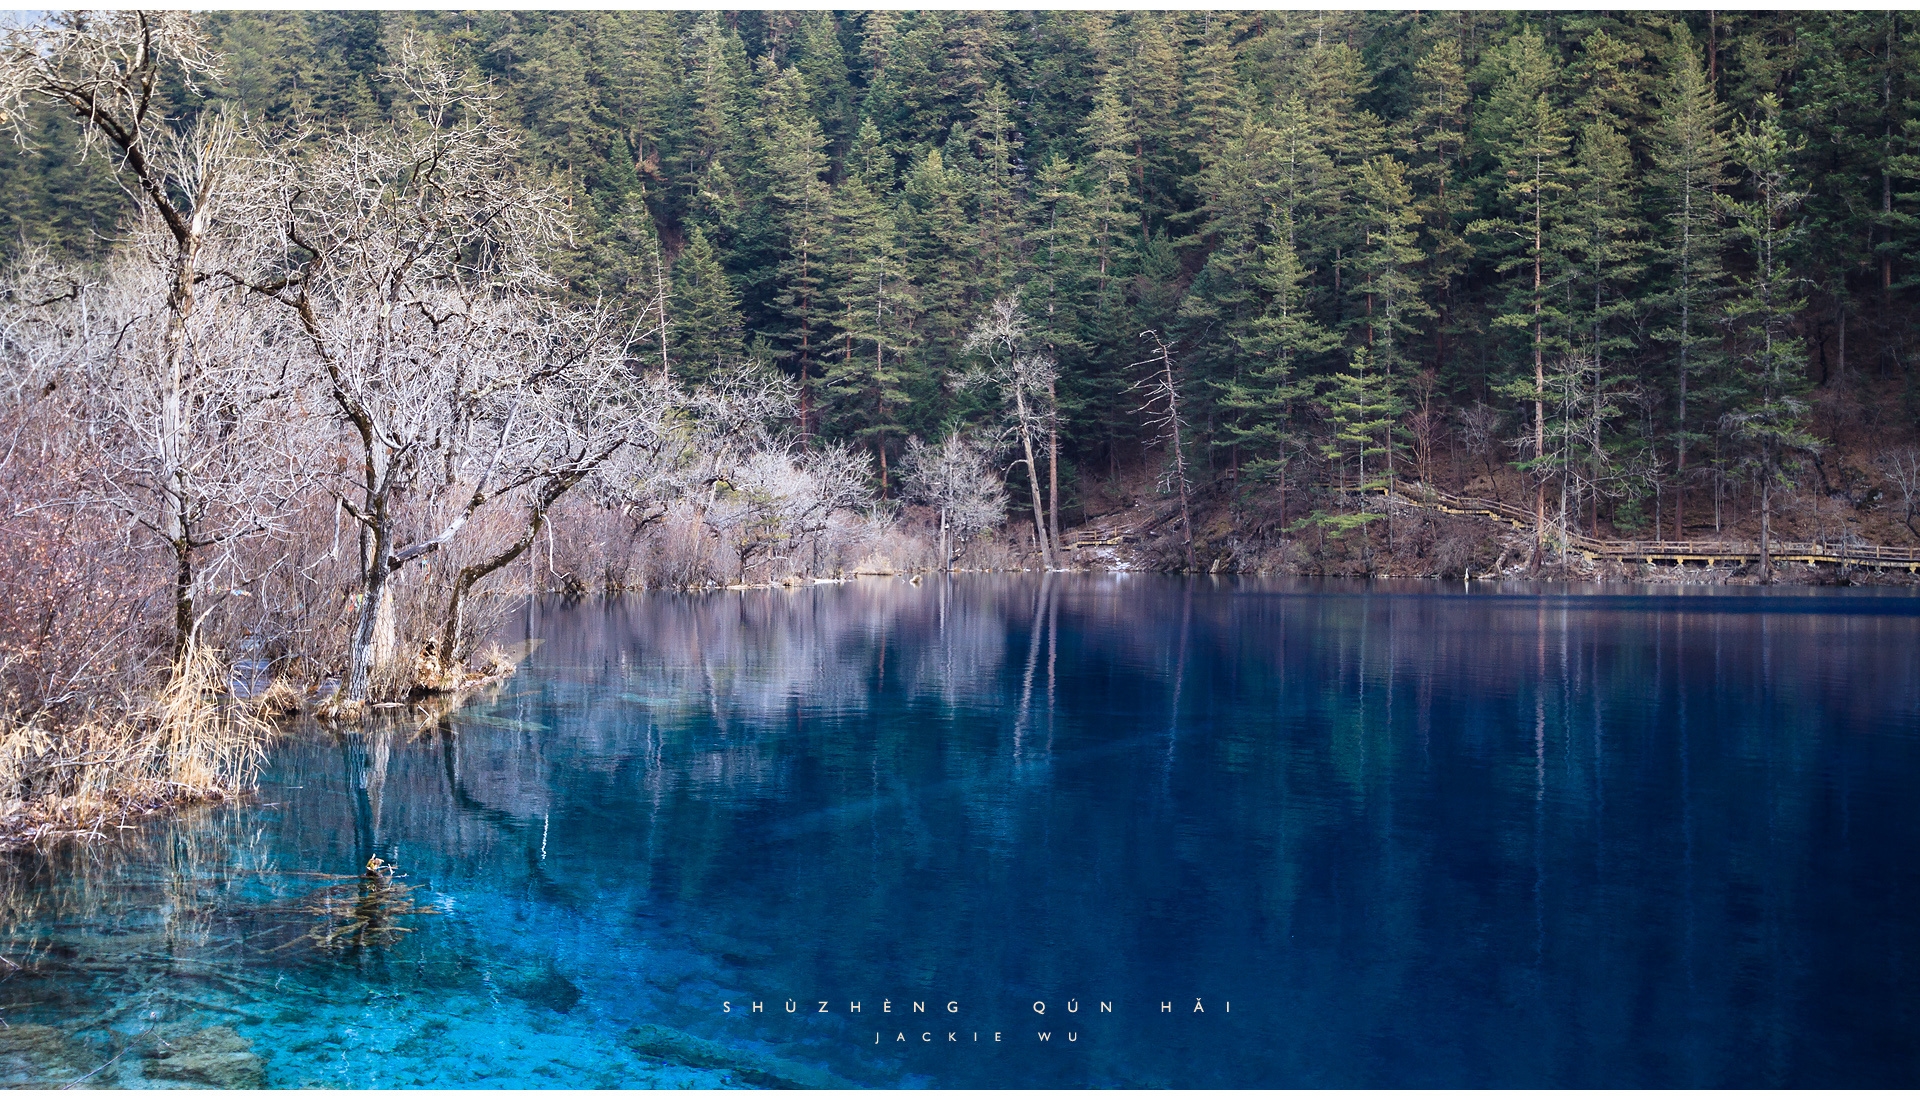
(1433, 138)
(1525, 134)
(1767, 423)
(1689, 176)
(794, 151)
(707, 331)
(878, 305)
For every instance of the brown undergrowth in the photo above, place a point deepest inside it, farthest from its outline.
(191, 741)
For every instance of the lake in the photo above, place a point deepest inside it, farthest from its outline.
(1196, 832)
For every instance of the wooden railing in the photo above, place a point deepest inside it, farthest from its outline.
(1678, 552)
(1708, 553)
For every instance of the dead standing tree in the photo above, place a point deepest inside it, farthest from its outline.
(410, 262)
(108, 69)
(1025, 382)
(1163, 414)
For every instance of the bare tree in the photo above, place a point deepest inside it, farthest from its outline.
(954, 478)
(555, 436)
(92, 343)
(1479, 430)
(738, 412)
(1163, 415)
(1902, 467)
(1425, 423)
(776, 500)
(410, 262)
(107, 68)
(1024, 380)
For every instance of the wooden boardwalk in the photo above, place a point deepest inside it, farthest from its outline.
(1696, 552)
(1689, 552)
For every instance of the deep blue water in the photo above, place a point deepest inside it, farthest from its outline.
(1411, 836)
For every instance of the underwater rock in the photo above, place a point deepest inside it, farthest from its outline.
(214, 1057)
(547, 988)
(668, 1045)
(37, 1056)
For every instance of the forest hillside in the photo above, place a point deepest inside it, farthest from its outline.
(1649, 265)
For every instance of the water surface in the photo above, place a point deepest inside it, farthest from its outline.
(1289, 835)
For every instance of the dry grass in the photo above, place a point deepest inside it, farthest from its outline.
(190, 742)
(282, 698)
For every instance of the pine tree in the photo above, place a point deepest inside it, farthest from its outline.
(822, 60)
(1221, 302)
(1386, 264)
(938, 239)
(1767, 424)
(1061, 284)
(1110, 137)
(1148, 79)
(878, 306)
(1360, 404)
(795, 154)
(996, 200)
(1262, 403)
(1526, 136)
(707, 332)
(1361, 409)
(1433, 138)
(1689, 174)
(1605, 233)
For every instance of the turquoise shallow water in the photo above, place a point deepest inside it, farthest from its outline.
(1378, 836)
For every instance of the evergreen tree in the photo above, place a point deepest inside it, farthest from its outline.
(1433, 138)
(1360, 409)
(1605, 233)
(707, 332)
(1360, 404)
(822, 60)
(1262, 403)
(1110, 137)
(938, 241)
(996, 200)
(878, 306)
(1689, 175)
(794, 151)
(1148, 79)
(1386, 265)
(1525, 134)
(627, 265)
(1767, 423)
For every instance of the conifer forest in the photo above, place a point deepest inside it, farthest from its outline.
(324, 332)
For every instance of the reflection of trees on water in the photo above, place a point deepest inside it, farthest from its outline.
(1325, 755)
(988, 787)
(137, 929)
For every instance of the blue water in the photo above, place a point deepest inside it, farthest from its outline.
(1291, 835)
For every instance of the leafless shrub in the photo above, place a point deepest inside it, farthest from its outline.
(954, 480)
(1902, 467)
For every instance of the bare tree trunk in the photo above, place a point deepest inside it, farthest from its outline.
(1766, 529)
(1539, 389)
(1053, 471)
(475, 572)
(1033, 480)
(946, 553)
(1179, 454)
(352, 694)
